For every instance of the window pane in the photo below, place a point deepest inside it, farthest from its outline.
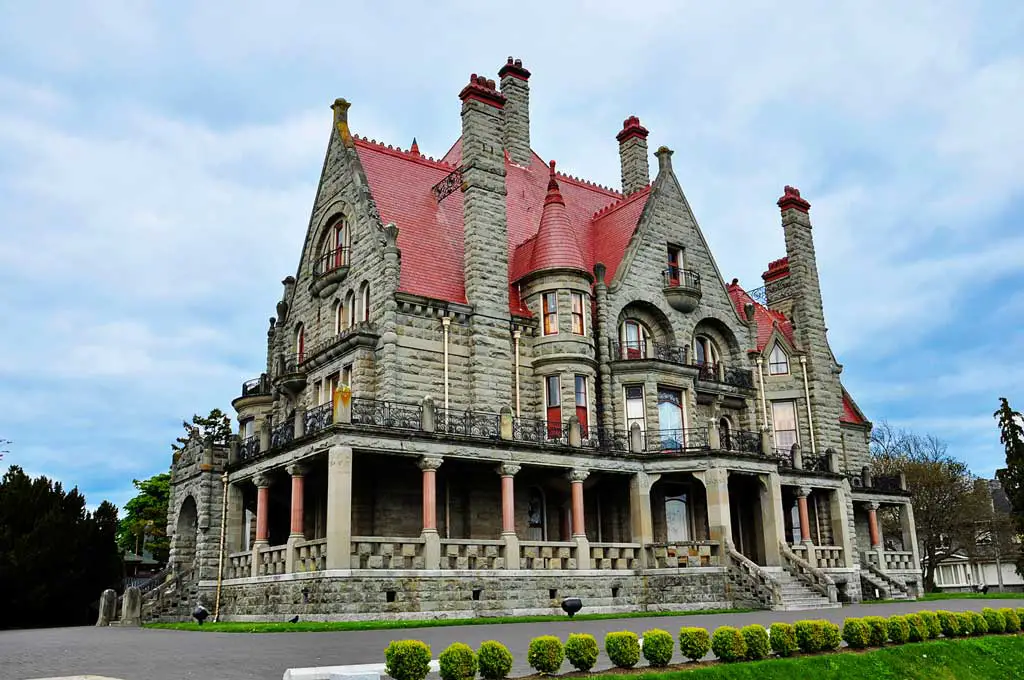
(553, 397)
(581, 390)
(784, 415)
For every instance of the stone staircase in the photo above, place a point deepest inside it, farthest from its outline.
(796, 596)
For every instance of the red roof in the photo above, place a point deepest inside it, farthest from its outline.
(851, 414)
(766, 319)
(555, 245)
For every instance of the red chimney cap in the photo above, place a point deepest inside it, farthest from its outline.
(777, 269)
(631, 127)
(514, 68)
(481, 89)
(791, 199)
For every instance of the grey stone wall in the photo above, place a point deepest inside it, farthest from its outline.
(195, 478)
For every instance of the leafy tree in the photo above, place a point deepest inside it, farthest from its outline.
(1011, 434)
(941, 487)
(55, 557)
(212, 429)
(145, 518)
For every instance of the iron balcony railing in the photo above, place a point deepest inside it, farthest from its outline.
(878, 482)
(289, 365)
(739, 377)
(388, 414)
(611, 441)
(282, 434)
(742, 441)
(540, 431)
(319, 418)
(815, 463)
(249, 449)
(677, 277)
(675, 354)
(676, 441)
(257, 387)
(331, 260)
(468, 423)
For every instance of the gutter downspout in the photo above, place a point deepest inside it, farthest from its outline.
(807, 397)
(223, 535)
(515, 336)
(446, 321)
(764, 403)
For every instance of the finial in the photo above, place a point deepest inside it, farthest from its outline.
(415, 148)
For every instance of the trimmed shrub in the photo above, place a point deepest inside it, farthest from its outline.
(810, 635)
(623, 648)
(457, 662)
(694, 643)
(407, 659)
(728, 644)
(831, 636)
(657, 647)
(782, 637)
(918, 629)
(980, 624)
(1020, 615)
(949, 623)
(966, 623)
(899, 629)
(878, 629)
(756, 637)
(545, 654)
(996, 621)
(1012, 620)
(856, 633)
(931, 623)
(581, 651)
(494, 660)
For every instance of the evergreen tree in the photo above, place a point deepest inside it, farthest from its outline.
(1011, 434)
(212, 429)
(145, 518)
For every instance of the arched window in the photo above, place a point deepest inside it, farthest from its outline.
(335, 248)
(339, 317)
(364, 295)
(778, 361)
(725, 433)
(705, 351)
(300, 342)
(350, 310)
(633, 337)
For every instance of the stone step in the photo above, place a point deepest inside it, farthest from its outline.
(806, 607)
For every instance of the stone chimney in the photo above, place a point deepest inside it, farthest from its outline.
(633, 155)
(777, 286)
(515, 87)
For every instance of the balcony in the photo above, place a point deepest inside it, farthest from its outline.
(681, 288)
(726, 375)
(255, 391)
(673, 354)
(329, 270)
(360, 333)
(290, 376)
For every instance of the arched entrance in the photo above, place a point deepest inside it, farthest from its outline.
(185, 533)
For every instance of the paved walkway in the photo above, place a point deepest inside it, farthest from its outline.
(144, 654)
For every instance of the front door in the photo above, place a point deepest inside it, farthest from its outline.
(670, 418)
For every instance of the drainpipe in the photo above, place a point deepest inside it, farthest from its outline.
(446, 321)
(515, 336)
(223, 535)
(807, 397)
(764, 403)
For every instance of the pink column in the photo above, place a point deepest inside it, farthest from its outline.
(262, 483)
(805, 522)
(873, 523)
(576, 478)
(429, 467)
(298, 471)
(508, 515)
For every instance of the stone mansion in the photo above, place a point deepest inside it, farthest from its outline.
(490, 386)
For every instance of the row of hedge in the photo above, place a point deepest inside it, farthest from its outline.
(410, 659)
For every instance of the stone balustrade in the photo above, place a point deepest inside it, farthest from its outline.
(459, 553)
(239, 564)
(823, 556)
(615, 555)
(547, 555)
(899, 560)
(375, 552)
(310, 555)
(272, 559)
(684, 554)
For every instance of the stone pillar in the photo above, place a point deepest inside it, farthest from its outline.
(342, 400)
(510, 554)
(633, 155)
(909, 527)
(300, 422)
(601, 349)
(636, 439)
(641, 521)
(771, 519)
(505, 418)
(339, 507)
(805, 522)
(262, 482)
(766, 442)
(515, 87)
(714, 436)
(579, 533)
(575, 435)
(841, 525)
(876, 541)
(235, 520)
(797, 457)
(428, 418)
(131, 607)
(297, 531)
(108, 604)
(432, 541)
(264, 436)
(716, 485)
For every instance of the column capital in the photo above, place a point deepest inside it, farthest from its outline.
(509, 469)
(261, 480)
(803, 491)
(429, 462)
(297, 469)
(577, 475)
(871, 505)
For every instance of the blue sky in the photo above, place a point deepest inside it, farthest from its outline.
(158, 163)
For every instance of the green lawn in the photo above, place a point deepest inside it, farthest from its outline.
(319, 627)
(987, 658)
(972, 596)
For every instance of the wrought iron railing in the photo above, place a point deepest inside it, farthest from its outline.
(288, 365)
(758, 295)
(324, 345)
(708, 371)
(468, 423)
(743, 441)
(815, 463)
(451, 183)
(633, 349)
(676, 441)
(249, 448)
(674, 354)
(257, 387)
(676, 277)
(318, 418)
(540, 431)
(630, 349)
(283, 433)
(739, 377)
(331, 260)
(877, 482)
(784, 457)
(612, 441)
(388, 414)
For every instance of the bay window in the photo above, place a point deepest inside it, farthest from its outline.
(550, 301)
(579, 325)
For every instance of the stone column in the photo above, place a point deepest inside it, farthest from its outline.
(297, 532)
(909, 527)
(339, 507)
(262, 482)
(432, 541)
(876, 534)
(235, 520)
(716, 485)
(771, 519)
(510, 552)
(579, 533)
(805, 522)
(640, 512)
(841, 525)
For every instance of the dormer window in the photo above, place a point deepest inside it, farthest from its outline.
(778, 361)
(550, 301)
(335, 249)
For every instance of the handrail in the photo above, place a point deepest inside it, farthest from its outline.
(767, 589)
(808, 573)
(886, 578)
(883, 587)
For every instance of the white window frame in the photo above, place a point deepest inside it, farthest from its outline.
(546, 310)
(575, 296)
(586, 398)
(643, 406)
(796, 424)
(773, 360)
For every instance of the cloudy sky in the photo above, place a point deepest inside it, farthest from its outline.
(158, 163)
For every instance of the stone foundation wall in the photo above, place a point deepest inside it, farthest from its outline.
(411, 595)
